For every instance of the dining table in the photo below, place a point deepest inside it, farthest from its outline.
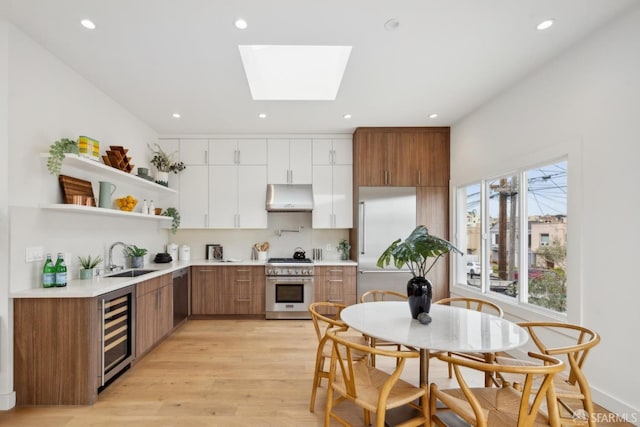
(452, 329)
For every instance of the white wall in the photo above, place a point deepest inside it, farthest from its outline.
(7, 397)
(586, 104)
(48, 101)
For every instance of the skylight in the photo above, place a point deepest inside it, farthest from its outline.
(292, 73)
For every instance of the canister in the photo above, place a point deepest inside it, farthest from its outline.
(172, 249)
(184, 253)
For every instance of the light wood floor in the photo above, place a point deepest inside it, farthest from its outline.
(214, 373)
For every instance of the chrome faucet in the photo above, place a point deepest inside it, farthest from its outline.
(111, 267)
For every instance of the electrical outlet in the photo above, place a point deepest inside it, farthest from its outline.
(34, 253)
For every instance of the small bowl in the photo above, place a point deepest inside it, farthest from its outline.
(143, 171)
(158, 211)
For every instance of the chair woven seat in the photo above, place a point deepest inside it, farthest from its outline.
(507, 405)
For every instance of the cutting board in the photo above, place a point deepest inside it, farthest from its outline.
(73, 186)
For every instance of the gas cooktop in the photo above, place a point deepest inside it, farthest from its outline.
(289, 261)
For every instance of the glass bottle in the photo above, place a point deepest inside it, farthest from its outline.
(61, 271)
(48, 273)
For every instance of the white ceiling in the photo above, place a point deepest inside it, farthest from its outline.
(157, 57)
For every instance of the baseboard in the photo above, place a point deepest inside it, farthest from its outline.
(7, 401)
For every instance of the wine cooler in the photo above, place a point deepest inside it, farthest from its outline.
(118, 329)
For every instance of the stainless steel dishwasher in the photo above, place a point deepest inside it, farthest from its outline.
(180, 295)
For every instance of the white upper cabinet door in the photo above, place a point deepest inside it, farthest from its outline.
(194, 151)
(223, 196)
(252, 194)
(194, 196)
(278, 161)
(223, 151)
(252, 151)
(322, 152)
(300, 154)
(343, 196)
(332, 196)
(332, 151)
(342, 151)
(322, 214)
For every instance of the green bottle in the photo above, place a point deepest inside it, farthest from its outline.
(61, 271)
(48, 273)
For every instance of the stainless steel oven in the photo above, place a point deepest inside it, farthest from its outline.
(289, 288)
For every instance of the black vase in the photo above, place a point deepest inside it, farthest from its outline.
(419, 293)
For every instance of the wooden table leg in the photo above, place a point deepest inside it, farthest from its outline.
(424, 366)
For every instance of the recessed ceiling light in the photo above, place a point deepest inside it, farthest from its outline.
(347, 116)
(392, 24)
(433, 115)
(240, 24)
(88, 24)
(300, 72)
(176, 115)
(262, 115)
(547, 23)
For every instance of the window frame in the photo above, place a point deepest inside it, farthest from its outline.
(519, 306)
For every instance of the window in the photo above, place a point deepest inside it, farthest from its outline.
(544, 239)
(535, 239)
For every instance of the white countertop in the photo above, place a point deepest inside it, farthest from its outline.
(102, 285)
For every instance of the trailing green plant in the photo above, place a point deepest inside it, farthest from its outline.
(88, 263)
(56, 154)
(416, 251)
(164, 161)
(173, 213)
(134, 251)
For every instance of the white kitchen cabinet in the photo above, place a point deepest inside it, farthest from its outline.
(225, 185)
(332, 151)
(194, 151)
(194, 196)
(332, 196)
(237, 196)
(238, 151)
(289, 161)
(194, 183)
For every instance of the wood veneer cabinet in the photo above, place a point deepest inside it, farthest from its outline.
(154, 312)
(403, 157)
(432, 211)
(227, 290)
(335, 284)
(56, 351)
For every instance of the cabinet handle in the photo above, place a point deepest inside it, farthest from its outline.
(386, 178)
(102, 333)
(238, 156)
(206, 220)
(419, 177)
(206, 157)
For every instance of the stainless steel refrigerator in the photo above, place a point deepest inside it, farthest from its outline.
(386, 214)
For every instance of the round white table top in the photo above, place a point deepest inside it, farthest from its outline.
(452, 328)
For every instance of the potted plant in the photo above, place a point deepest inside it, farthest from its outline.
(173, 213)
(164, 164)
(419, 252)
(137, 255)
(88, 265)
(56, 154)
(344, 247)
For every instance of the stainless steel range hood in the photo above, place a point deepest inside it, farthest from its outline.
(289, 198)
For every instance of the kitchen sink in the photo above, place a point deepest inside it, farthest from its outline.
(130, 273)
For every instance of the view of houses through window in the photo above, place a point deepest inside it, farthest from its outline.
(499, 240)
